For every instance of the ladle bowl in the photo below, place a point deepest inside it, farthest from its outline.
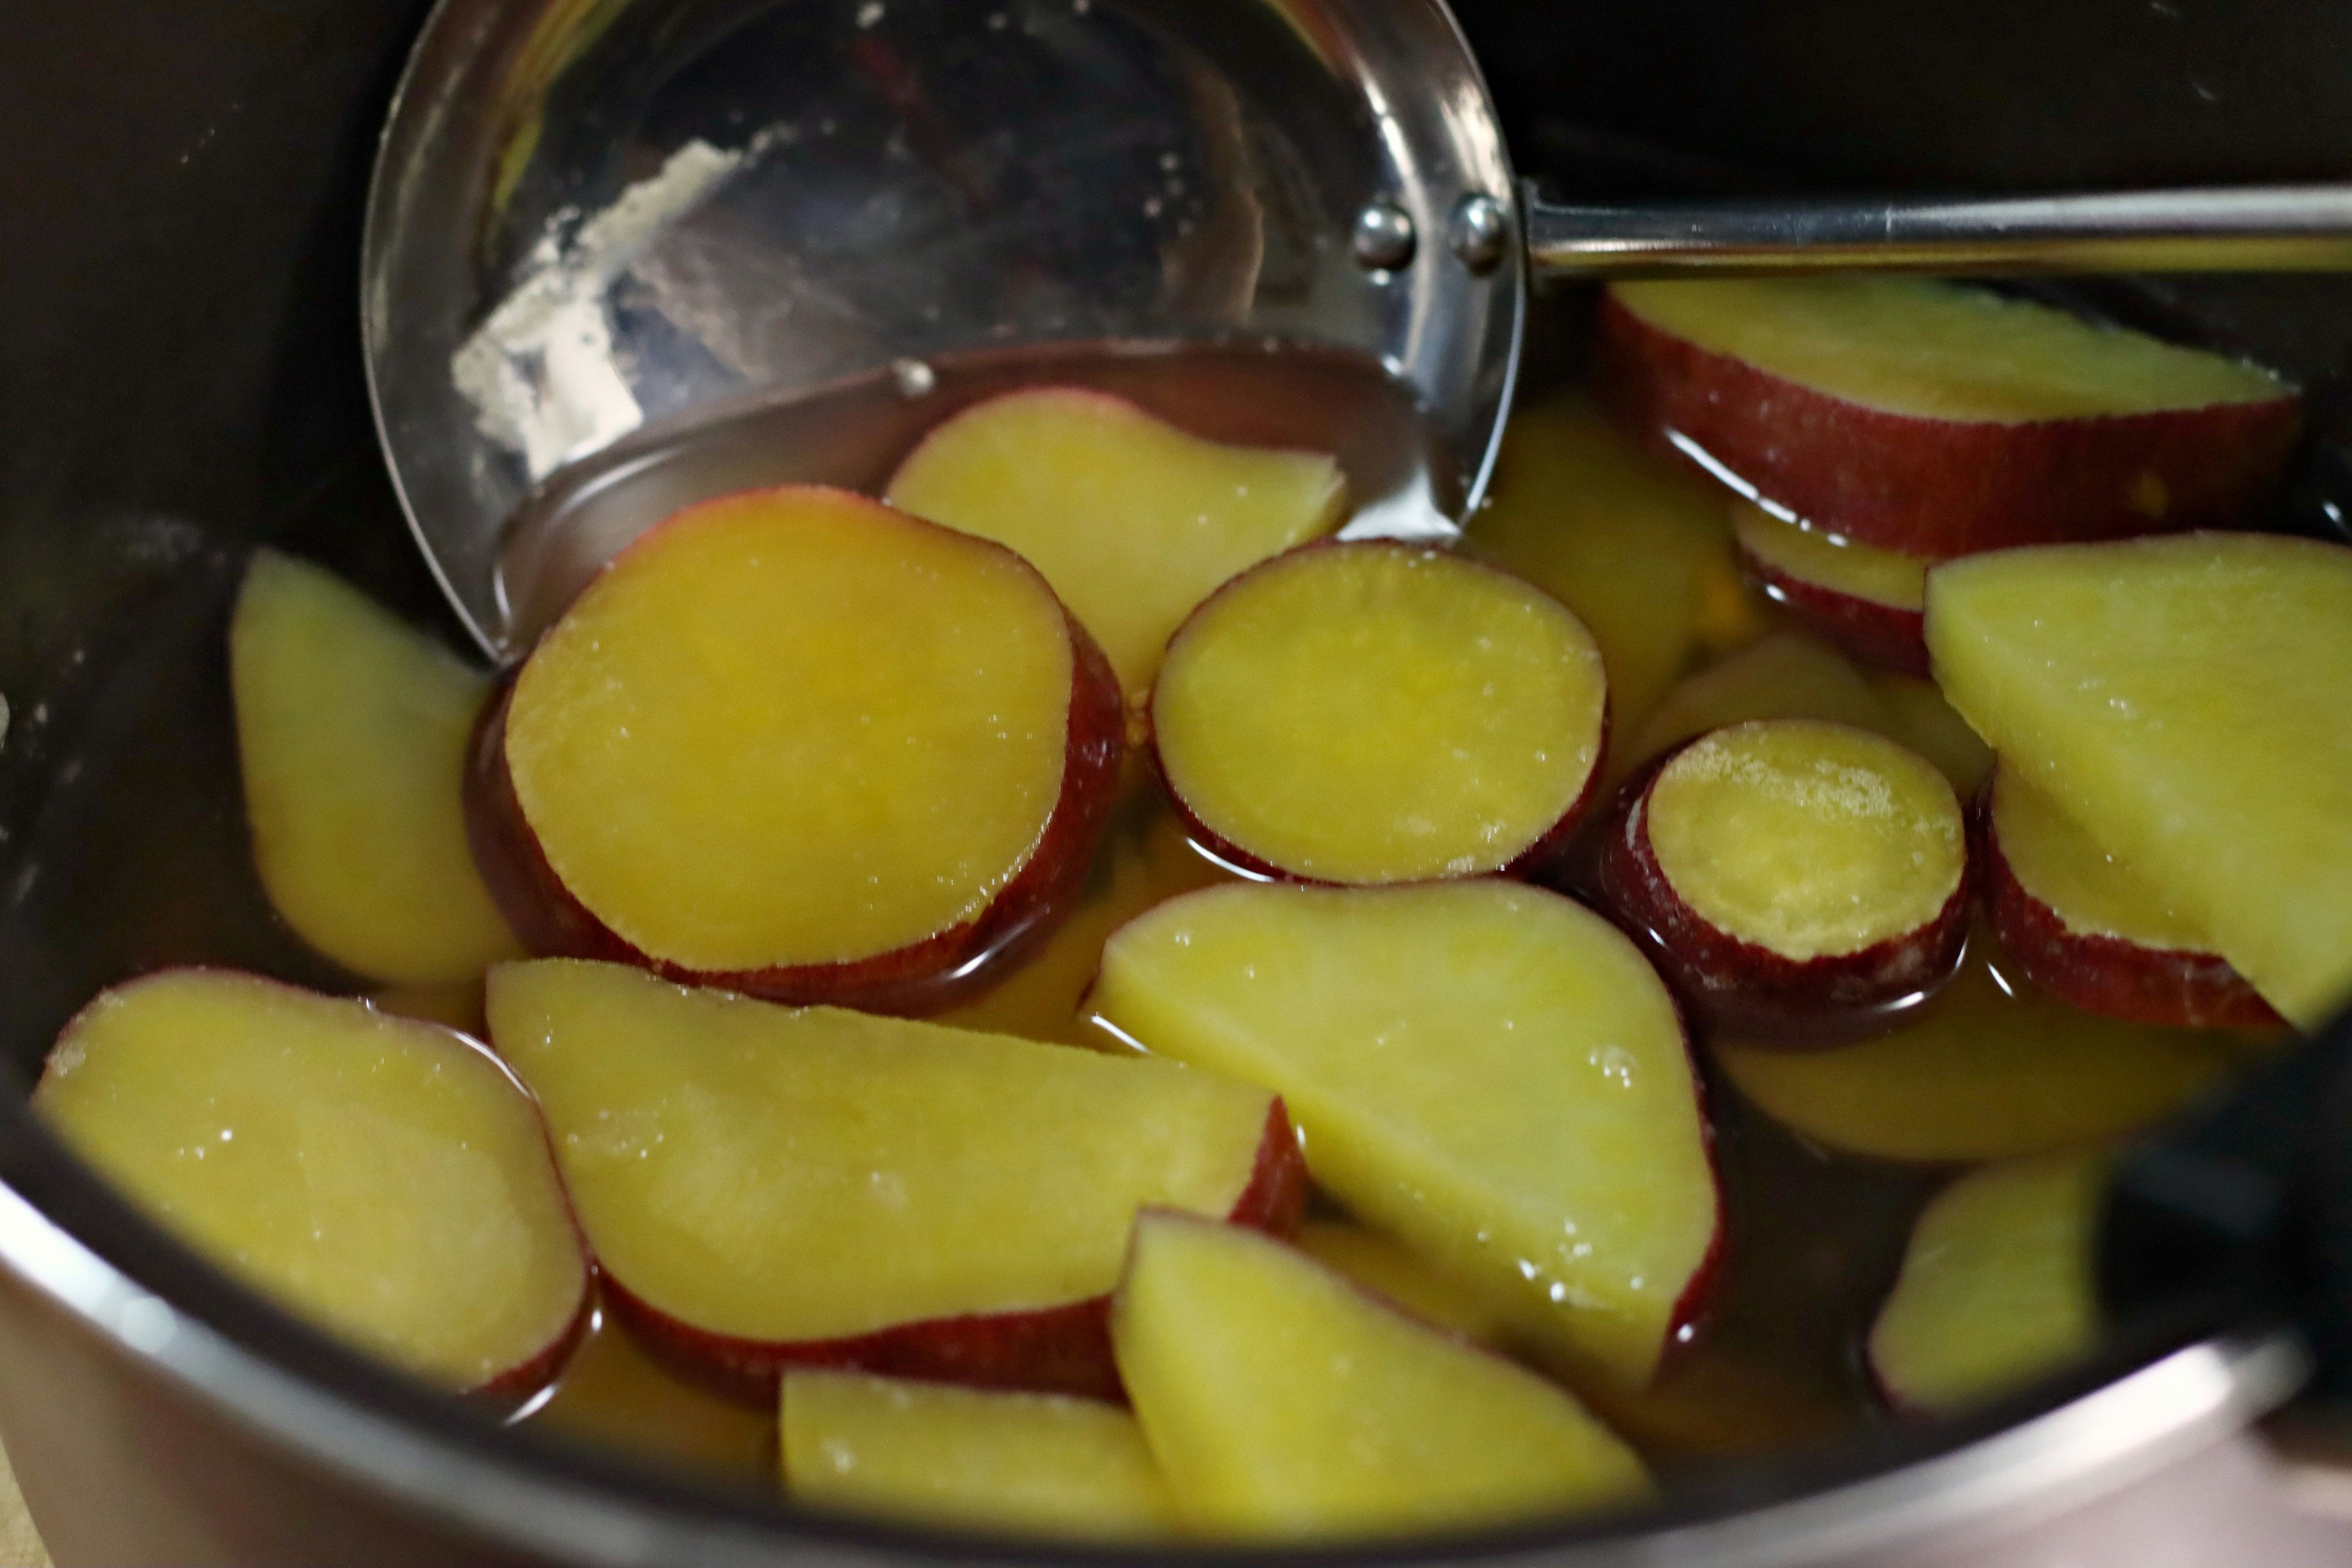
(596, 222)
(598, 227)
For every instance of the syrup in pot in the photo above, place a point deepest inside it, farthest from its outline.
(127, 852)
(1815, 1238)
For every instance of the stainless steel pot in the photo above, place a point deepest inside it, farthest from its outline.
(179, 376)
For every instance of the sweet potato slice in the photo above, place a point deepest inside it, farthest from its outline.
(386, 1178)
(768, 1187)
(1000, 1463)
(1797, 880)
(2189, 703)
(1869, 602)
(1996, 1285)
(1133, 521)
(1936, 420)
(1483, 1069)
(1993, 1069)
(1380, 712)
(2085, 928)
(799, 744)
(351, 731)
(1286, 1404)
(1639, 548)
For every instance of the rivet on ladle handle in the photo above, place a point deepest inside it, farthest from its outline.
(1479, 232)
(1384, 238)
(2248, 229)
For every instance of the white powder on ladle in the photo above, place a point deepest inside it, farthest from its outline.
(540, 371)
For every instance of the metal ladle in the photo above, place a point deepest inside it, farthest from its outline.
(806, 229)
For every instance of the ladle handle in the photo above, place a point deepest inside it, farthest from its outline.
(2261, 228)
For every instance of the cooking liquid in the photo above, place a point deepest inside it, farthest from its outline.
(1814, 1239)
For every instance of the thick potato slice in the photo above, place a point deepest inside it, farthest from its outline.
(768, 1187)
(800, 744)
(1488, 1071)
(1283, 1402)
(384, 1177)
(1997, 1284)
(1379, 713)
(351, 731)
(1132, 521)
(1636, 546)
(2188, 702)
(1936, 420)
(1005, 1464)
(2086, 928)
